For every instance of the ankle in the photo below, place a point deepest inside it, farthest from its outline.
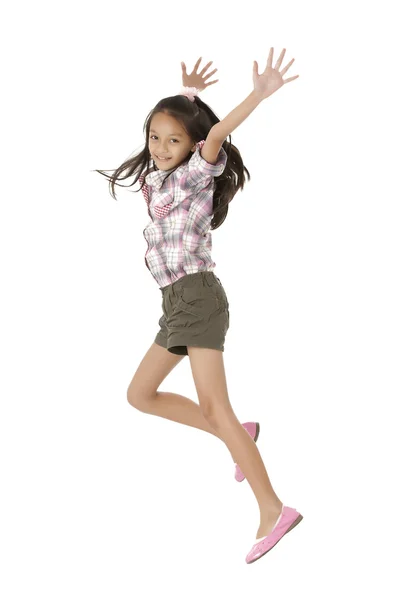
(270, 509)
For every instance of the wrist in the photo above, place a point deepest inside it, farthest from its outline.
(257, 96)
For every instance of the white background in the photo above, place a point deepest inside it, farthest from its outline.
(102, 501)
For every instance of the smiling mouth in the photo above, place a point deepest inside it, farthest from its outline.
(159, 158)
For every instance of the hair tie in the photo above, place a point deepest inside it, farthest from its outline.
(189, 92)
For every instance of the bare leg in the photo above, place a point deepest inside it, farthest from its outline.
(219, 421)
(143, 395)
(179, 409)
(209, 377)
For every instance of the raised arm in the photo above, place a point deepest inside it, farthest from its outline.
(221, 130)
(264, 86)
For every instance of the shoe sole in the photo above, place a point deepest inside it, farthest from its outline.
(257, 431)
(255, 439)
(296, 522)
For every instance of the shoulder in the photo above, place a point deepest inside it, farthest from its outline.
(198, 162)
(198, 170)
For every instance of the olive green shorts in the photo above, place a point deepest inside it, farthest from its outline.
(195, 313)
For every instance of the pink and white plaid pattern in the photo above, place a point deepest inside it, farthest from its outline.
(180, 205)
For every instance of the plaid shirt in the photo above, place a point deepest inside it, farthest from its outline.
(180, 204)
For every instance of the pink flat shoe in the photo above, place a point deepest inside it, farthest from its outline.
(287, 520)
(253, 429)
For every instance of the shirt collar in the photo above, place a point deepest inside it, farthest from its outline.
(156, 178)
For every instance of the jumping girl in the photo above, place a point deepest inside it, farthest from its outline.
(195, 173)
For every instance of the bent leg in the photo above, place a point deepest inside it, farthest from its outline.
(143, 392)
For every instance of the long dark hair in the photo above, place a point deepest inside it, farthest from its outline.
(197, 119)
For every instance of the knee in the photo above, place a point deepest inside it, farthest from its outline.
(137, 399)
(208, 410)
(213, 413)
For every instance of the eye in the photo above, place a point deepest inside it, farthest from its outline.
(171, 138)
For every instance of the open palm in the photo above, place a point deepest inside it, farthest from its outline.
(271, 79)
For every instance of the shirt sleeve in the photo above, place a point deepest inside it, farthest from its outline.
(201, 171)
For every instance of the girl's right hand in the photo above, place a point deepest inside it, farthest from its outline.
(197, 80)
(271, 79)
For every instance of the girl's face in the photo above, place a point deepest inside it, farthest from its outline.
(168, 139)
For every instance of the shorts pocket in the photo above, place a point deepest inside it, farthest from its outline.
(193, 311)
(189, 308)
(198, 300)
(185, 315)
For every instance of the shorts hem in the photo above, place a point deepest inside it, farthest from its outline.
(208, 347)
(161, 342)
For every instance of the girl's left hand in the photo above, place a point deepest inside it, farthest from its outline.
(271, 80)
(197, 80)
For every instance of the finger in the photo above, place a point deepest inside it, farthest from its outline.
(290, 79)
(183, 67)
(197, 64)
(211, 82)
(209, 74)
(270, 56)
(255, 67)
(280, 59)
(205, 68)
(283, 71)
